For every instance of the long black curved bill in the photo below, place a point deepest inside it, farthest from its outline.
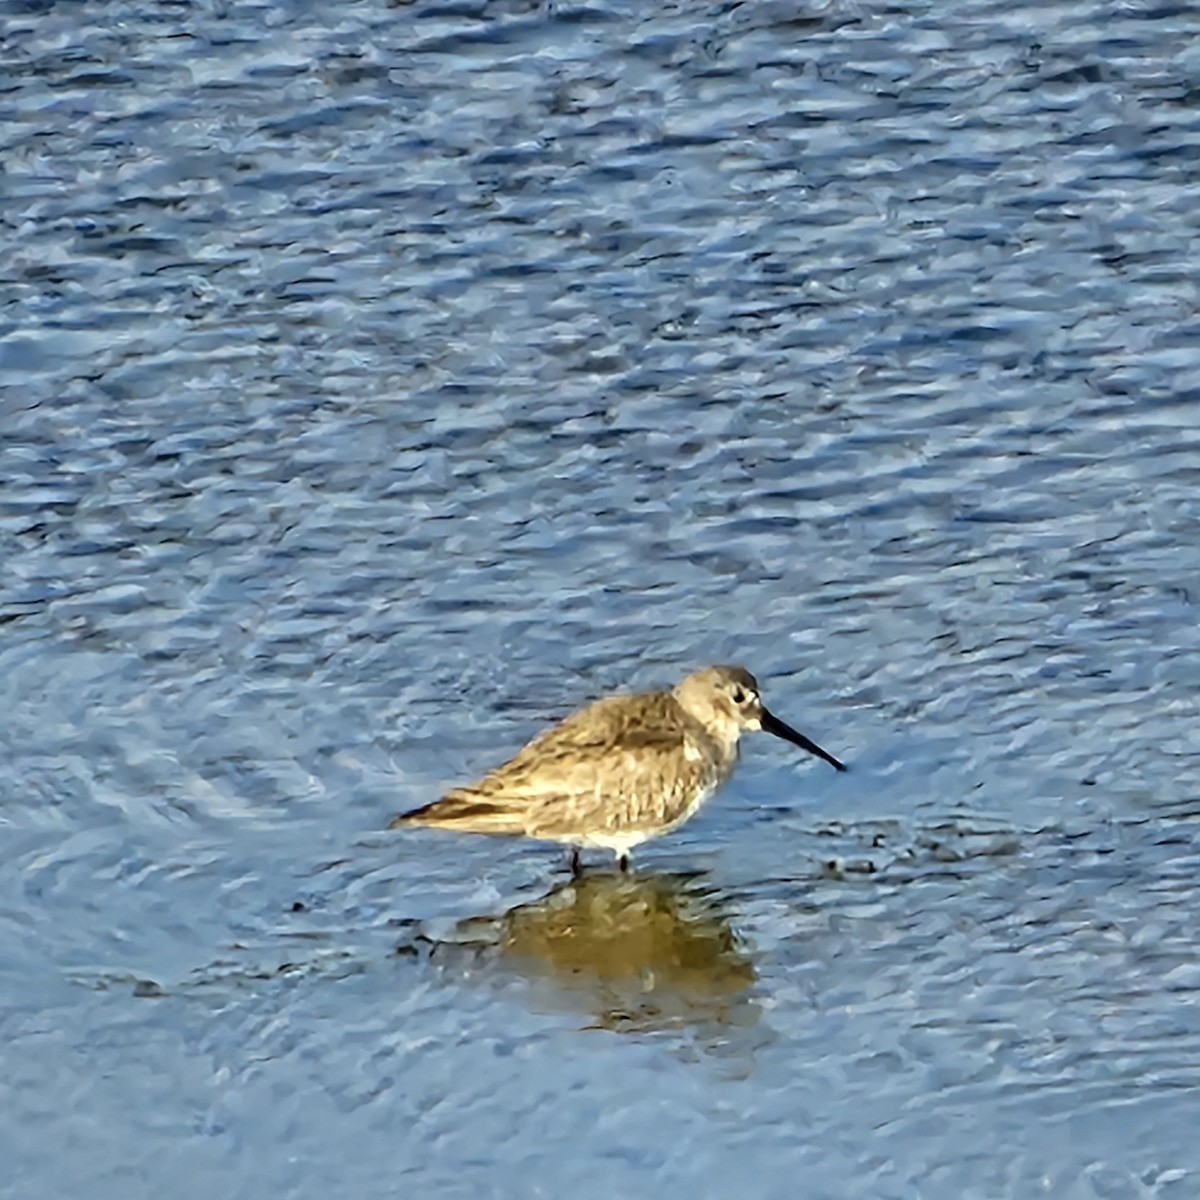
(772, 724)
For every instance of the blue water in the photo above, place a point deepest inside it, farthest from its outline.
(380, 382)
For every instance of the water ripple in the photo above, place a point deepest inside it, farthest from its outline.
(379, 383)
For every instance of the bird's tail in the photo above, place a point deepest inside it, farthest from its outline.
(466, 811)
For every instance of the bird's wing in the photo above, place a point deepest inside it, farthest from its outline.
(588, 747)
(608, 766)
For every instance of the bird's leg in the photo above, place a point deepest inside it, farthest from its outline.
(574, 863)
(623, 863)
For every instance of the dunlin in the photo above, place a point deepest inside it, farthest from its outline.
(620, 771)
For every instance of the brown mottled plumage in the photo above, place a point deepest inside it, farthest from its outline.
(623, 770)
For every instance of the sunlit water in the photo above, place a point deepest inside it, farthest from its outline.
(382, 381)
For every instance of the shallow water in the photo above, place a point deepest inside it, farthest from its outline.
(381, 382)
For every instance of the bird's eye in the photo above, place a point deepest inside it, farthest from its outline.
(739, 697)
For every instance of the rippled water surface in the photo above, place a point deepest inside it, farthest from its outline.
(382, 381)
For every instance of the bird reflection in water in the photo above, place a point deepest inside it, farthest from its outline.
(639, 952)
